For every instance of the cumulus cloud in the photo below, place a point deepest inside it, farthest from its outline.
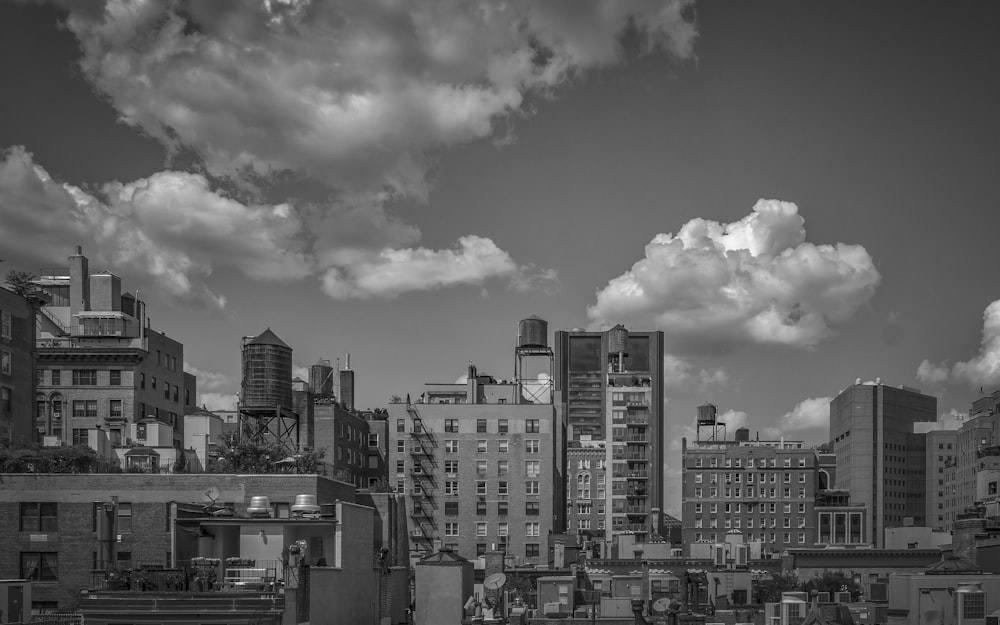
(807, 414)
(216, 391)
(734, 419)
(981, 370)
(217, 401)
(355, 94)
(174, 227)
(680, 373)
(754, 280)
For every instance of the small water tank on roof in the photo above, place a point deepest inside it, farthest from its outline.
(618, 340)
(305, 504)
(742, 434)
(707, 413)
(532, 332)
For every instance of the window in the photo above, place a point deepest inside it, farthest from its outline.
(451, 425)
(481, 446)
(480, 487)
(697, 508)
(531, 487)
(532, 508)
(532, 528)
(5, 324)
(450, 446)
(481, 467)
(115, 409)
(481, 528)
(502, 426)
(85, 408)
(698, 462)
(502, 467)
(115, 377)
(401, 446)
(39, 517)
(451, 467)
(39, 566)
(451, 487)
(531, 446)
(451, 508)
(531, 426)
(400, 425)
(532, 468)
(373, 440)
(481, 426)
(152, 382)
(501, 508)
(5, 360)
(451, 528)
(503, 528)
(802, 508)
(124, 518)
(502, 445)
(84, 377)
(400, 467)
(480, 508)
(502, 488)
(697, 478)
(142, 380)
(79, 436)
(177, 392)
(531, 550)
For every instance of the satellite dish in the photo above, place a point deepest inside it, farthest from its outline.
(211, 495)
(662, 604)
(495, 581)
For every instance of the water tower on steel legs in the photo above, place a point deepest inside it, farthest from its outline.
(265, 407)
(533, 362)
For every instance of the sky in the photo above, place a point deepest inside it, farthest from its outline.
(799, 195)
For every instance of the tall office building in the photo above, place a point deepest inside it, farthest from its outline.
(880, 458)
(609, 390)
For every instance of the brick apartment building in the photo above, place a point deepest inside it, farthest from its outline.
(17, 392)
(50, 521)
(586, 492)
(479, 468)
(99, 363)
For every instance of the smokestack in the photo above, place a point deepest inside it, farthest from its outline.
(79, 285)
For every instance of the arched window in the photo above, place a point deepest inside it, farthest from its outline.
(583, 485)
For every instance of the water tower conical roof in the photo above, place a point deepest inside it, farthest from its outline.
(267, 337)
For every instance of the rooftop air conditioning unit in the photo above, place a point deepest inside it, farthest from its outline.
(823, 597)
(843, 597)
(879, 591)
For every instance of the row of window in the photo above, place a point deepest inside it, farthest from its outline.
(699, 462)
(78, 377)
(714, 477)
(5, 325)
(728, 508)
(44, 517)
(451, 446)
(166, 360)
(763, 537)
(531, 528)
(531, 426)
(713, 523)
(451, 487)
(451, 508)
(750, 493)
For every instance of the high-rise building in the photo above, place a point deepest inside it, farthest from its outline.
(99, 363)
(480, 463)
(609, 390)
(880, 458)
(939, 450)
(975, 451)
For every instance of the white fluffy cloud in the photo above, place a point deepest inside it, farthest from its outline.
(807, 414)
(754, 280)
(216, 391)
(354, 94)
(983, 369)
(173, 227)
(680, 373)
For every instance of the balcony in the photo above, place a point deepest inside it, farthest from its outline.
(636, 420)
(636, 510)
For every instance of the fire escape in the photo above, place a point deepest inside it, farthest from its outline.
(422, 495)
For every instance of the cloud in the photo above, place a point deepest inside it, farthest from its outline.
(355, 94)
(217, 401)
(680, 373)
(301, 373)
(756, 280)
(391, 272)
(981, 370)
(216, 391)
(807, 414)
(175, 229)
(734, 419)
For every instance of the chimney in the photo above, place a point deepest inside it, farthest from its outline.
(79, 285)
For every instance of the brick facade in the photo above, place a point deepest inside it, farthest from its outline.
(17, 340)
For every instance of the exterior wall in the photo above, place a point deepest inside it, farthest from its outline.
(75, 539)
(427, 488)
(974, 437)
(939, 456)
(202, 434)
(880, 460)
(378, 451)
(17, 393)
(353, 573)
(586, 493)
(870, 564)
(344, 436)
(714, 473)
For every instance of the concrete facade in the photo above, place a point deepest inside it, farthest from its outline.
(17, 379)
(66, 527)
(880, 459)
(940, 451)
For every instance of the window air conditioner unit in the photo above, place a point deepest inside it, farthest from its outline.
(417, 532)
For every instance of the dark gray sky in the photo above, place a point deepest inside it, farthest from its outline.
(877, 120)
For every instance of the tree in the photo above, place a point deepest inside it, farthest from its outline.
(832, 582)
(769, 589)
(20, 281)
(37, 459)
(244, 456)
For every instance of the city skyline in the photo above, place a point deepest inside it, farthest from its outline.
(550, 173)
